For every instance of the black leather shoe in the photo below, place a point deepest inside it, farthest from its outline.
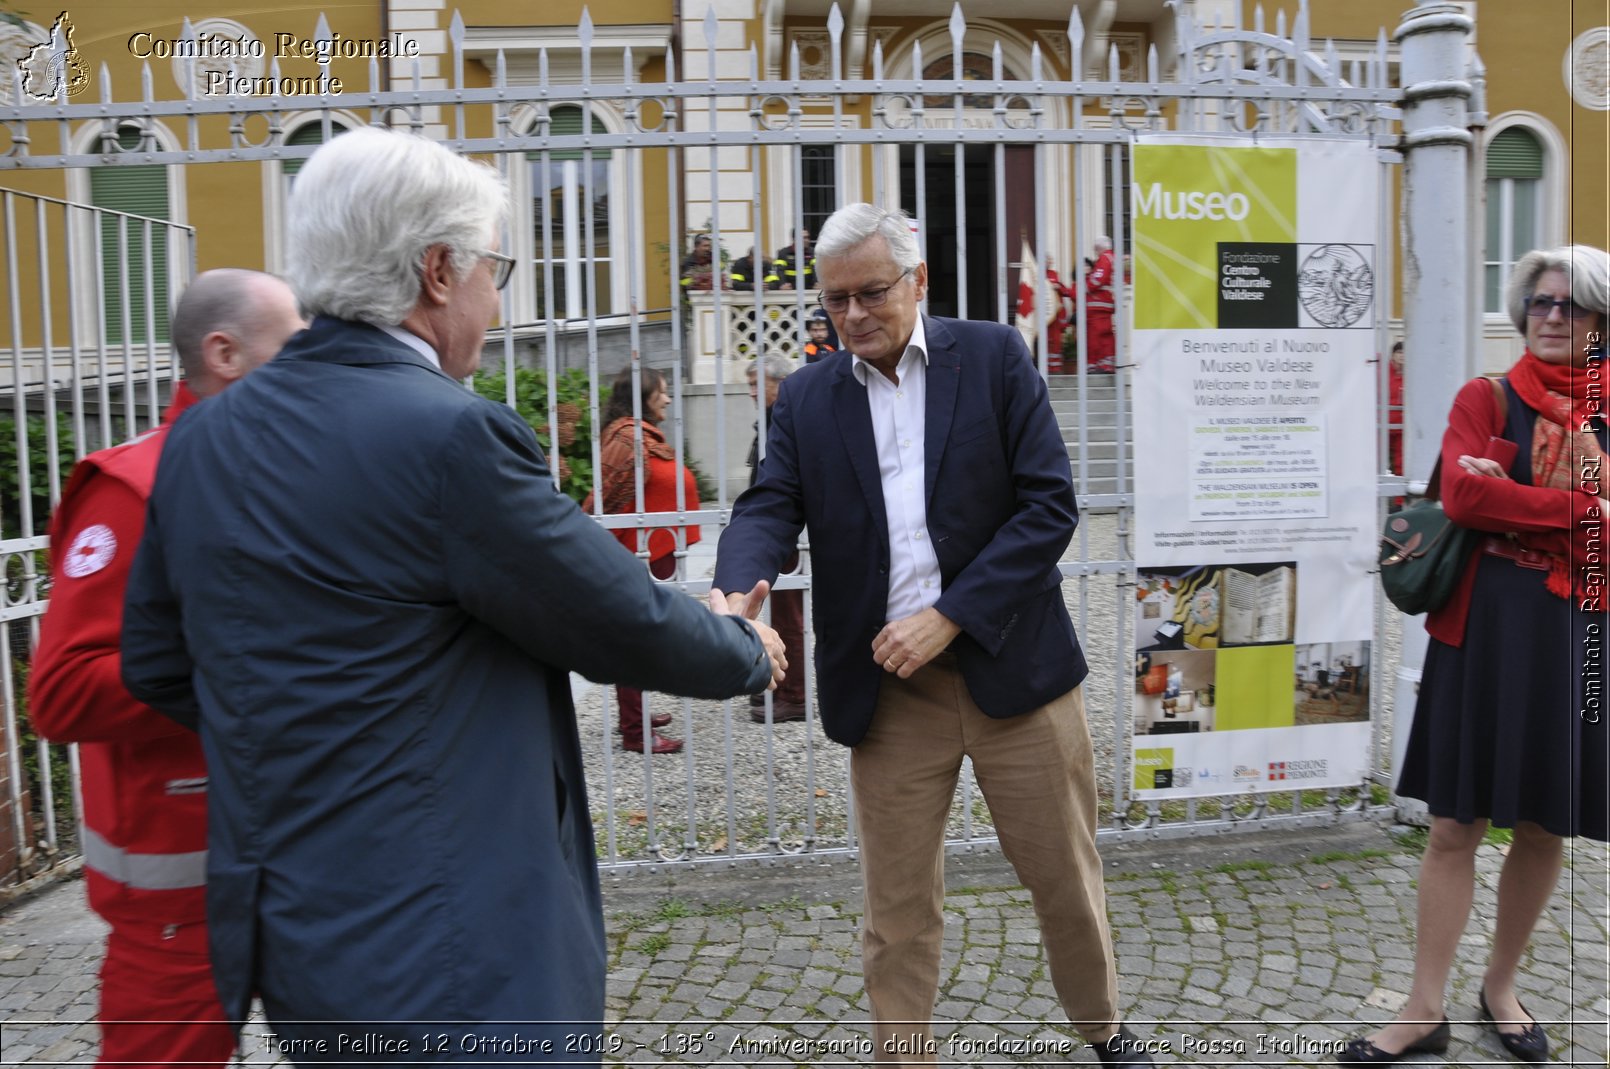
(1532, 1045)
(781, 712)
(1363, 1052)
(1123, 1048)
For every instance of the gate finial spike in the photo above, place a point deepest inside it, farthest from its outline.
(996, 67)
(500, 75)
(321, 29)
(1076, 40)
(1036, 63)
(1151, 63)
(835, 21)
(1257, 19)
(542, 67)
(711, 26)
(106, 84)
(146, 89)
(584, 29)
(916, 60)
(670, 65)
(793, 62)
(455, 30)
(1112, 63)
(958, 28)
(877, 60)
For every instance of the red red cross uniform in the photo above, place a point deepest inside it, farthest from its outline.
(1101, 347)
(144, 777)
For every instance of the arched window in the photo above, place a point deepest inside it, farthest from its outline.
(310, 134)
(133, 253)
(559, 215)
(1514, 207)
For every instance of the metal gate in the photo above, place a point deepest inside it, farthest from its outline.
(1050, 153)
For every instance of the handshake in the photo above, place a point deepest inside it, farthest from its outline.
(747, 608)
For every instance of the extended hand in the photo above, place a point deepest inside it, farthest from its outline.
(741, 604)
(747, 607)
(903, 646)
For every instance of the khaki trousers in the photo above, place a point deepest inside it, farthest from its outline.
(1036, 774)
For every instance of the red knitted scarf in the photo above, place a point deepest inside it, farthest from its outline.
(1564, 442)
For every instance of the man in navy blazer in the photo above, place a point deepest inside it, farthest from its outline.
(359, 579)
(928, 467)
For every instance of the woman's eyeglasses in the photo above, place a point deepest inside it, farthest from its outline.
(872, 298)
(1540, 307)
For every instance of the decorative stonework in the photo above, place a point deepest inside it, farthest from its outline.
(1586, 69)
(242, 52)
(815, 55)
(1131, 50)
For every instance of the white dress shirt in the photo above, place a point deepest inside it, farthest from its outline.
(898, 423)
(416, 343)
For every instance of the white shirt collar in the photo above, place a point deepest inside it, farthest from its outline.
(414, 342)
(918, 346)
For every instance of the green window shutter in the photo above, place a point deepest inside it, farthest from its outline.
(139, 191)
(1515, 153)
(565, 121)
(311, 134)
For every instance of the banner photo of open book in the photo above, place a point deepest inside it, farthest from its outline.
(1255, 314)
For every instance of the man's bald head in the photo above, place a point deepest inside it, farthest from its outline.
(228, 322)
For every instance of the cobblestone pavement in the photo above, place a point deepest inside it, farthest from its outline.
(1246, 949)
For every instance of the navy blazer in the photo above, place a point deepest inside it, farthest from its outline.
(1000, 511)
(359, 578)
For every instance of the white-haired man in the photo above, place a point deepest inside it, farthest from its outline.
(359, 579)
(927, 465)
(144, 778)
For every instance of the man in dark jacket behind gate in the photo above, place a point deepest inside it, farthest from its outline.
(360, 581)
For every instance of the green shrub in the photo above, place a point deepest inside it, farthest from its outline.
(38, 476)
(574, 454)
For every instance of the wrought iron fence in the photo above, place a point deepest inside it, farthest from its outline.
(1007, 147)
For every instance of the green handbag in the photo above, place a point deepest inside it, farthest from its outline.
(1423, 552)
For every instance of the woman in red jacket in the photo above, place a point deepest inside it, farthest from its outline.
(627, 438)
(1509, 728)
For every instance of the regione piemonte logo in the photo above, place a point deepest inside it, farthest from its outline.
(53, 65)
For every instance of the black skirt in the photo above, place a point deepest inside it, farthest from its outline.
(1513, 725)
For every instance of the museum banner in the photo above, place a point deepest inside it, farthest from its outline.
(1254, 305)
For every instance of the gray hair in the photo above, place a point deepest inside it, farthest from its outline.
(1102, 244)
(853, 224)
(1587, 268)
(221, 299)
(368, 206)
(778, 367)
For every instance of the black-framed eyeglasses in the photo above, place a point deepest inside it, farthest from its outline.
(867, 298)
(1540, 307)
(502, 267)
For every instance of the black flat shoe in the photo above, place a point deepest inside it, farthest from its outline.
(1123, 1048)
(1363, 1052)
(1532, 1045)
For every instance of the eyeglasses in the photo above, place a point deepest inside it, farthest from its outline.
(1540, 307)
(502, 267)
(870, 298)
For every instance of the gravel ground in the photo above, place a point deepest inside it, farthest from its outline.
(788, 788)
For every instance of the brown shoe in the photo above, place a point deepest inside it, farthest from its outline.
(781, 712)
(661, 744)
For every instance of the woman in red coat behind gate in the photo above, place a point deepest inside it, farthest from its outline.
(618, 454)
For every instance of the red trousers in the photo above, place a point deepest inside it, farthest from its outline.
(630, 699)
(1100, 344)
(788, 618)
(158, 1002)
